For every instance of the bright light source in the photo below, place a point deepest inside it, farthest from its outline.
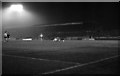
(17, 8)
(41, 35)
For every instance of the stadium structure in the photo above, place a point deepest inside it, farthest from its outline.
(69, 31)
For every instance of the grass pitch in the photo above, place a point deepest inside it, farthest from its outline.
(58, 55)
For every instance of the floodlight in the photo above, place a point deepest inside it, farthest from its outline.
(16, 8)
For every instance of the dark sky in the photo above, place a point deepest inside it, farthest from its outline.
(101, 14)
(63, 12)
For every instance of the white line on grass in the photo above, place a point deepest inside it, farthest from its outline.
(79, 65)
(40, 59)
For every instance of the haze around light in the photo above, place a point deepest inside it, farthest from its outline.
(16, 16)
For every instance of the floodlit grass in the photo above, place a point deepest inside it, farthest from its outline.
(50, 45)
(68, 50)
(83, 51)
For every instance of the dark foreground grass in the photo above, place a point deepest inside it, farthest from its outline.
(109, 66)
(16, 65)
(69, 51)
(25, 66)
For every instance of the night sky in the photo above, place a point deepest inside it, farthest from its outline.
(65, 12)
(105, 14)
(101, 14)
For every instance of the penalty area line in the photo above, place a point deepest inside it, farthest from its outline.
(80, 65)
(40, 59)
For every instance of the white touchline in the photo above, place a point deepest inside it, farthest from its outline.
(40, 59)
(54, 71)
(79, 65)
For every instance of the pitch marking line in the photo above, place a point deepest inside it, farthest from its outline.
(79, 65)
(40, 59)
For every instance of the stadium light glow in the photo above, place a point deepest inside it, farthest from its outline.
(16, 8)
(15, 16)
